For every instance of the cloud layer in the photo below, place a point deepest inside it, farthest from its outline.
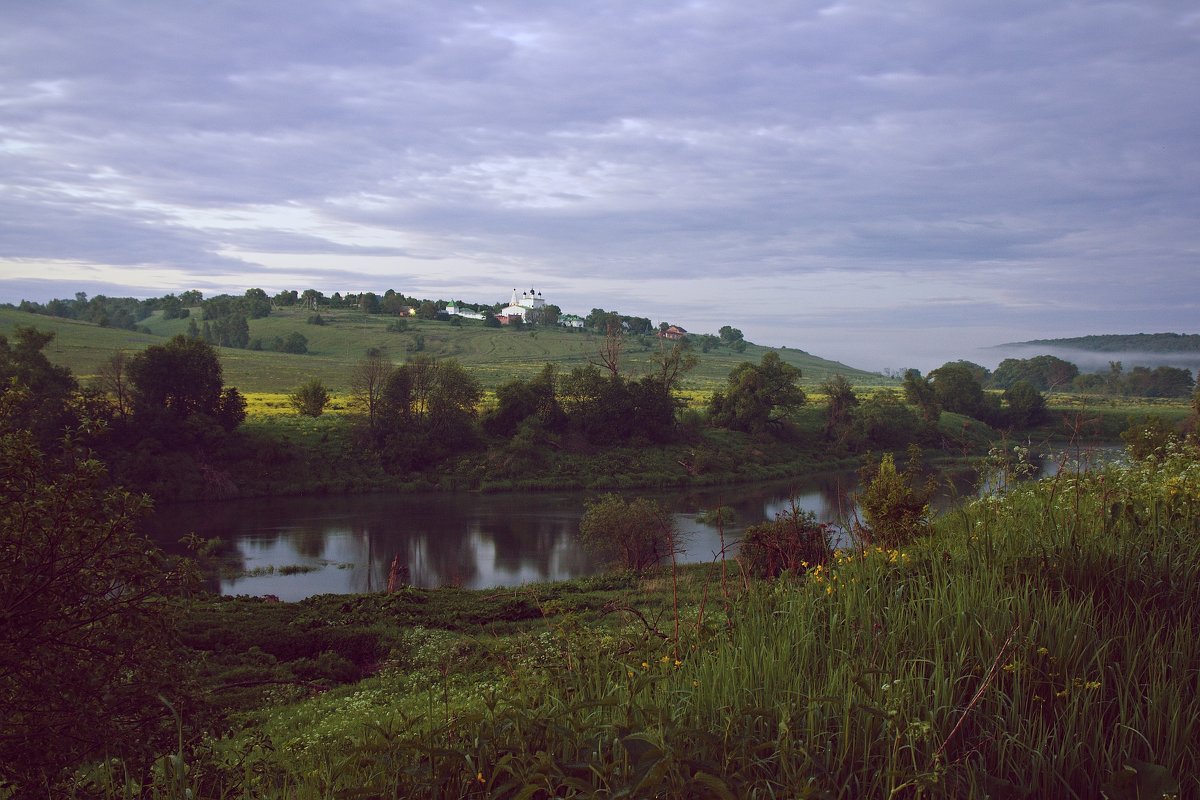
(889, 184)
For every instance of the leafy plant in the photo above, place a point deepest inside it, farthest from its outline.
(635, 534)
(310, 398)
(792, 542)
(86, 643)
(895, 504)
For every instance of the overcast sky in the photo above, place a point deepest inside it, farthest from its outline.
(889, 183)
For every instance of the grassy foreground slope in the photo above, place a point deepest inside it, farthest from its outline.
(494, 356)
(1039, 643)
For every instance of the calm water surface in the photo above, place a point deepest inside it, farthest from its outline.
(346, 544)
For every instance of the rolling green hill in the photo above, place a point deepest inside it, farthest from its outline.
(495, 356)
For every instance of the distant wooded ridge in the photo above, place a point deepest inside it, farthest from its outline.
(1121, 342)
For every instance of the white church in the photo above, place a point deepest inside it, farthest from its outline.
(524, 304)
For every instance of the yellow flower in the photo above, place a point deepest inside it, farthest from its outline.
(479, 777)
(1043, 651)
(678, 663)
(645, 665)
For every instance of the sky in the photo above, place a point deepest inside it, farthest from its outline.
(888, 184)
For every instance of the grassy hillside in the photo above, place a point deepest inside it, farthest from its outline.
(495, 356)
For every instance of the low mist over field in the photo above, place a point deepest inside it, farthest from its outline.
(1095, 353)
(1091, 361)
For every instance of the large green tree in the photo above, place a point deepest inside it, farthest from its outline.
(1044, 373)
(427, 412)
(959, 389)
(840, 402)
(1025, 404)
(883, 422)
(519, 400)
(919, 391)
(757, 395)
(183, 377)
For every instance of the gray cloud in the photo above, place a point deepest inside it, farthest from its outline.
(1020, 166)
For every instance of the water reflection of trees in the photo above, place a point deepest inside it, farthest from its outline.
(471, 540)
(829, 496)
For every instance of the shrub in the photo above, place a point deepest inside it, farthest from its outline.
(895, 504)
(310, 399)
(635, 535)
(1145, 437)
(295, 342)
(792, 542)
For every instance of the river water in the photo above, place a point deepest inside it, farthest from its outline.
(296, 547)
(345, 544)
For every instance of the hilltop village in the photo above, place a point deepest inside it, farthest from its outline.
(530, 308)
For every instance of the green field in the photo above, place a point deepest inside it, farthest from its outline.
(494, 356)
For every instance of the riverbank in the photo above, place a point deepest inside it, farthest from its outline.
(1038, 643)
(279, 456)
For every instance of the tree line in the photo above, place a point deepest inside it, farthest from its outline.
(1047, 373)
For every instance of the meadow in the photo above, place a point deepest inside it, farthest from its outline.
(1039, 642)
(492, 355)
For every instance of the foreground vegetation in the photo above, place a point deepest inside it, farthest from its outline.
(1040, 642)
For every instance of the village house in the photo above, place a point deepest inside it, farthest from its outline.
(673, 332)
(456, 309)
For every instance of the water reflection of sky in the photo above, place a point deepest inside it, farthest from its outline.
(472, 540)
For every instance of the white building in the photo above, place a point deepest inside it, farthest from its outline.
(520, 306)
(461, 310)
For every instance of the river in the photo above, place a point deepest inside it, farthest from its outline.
(296, 547)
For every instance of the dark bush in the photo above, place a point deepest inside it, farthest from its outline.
(792, 542)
